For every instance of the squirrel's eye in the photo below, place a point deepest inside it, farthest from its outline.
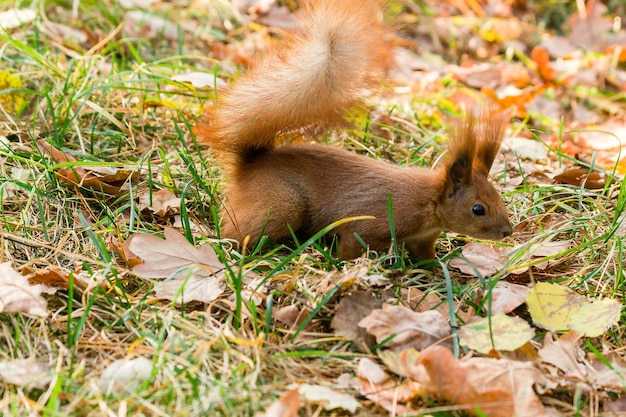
(478, 210)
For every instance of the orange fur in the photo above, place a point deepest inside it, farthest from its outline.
(308, 85)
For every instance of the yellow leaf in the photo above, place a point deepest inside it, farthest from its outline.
(551, 306)
(593, 319)
(501, 333)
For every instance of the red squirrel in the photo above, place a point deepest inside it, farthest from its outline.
(308, 84)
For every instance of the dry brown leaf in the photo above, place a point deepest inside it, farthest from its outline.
(582, 177)
(350, 311)
(419, 300)
(184, 290)
(487, 259)
(378, 386)
(610, 377)
(193, 274)
(172, 256)
(163, 203)
(109, 180)
(506, 297)
(29, 373)
(328, 398)
(18, 296)
(408, 328)
(123, 251)
(564, 353)
(286, 406)
(496, 387)
(291, 315)
(52, 276)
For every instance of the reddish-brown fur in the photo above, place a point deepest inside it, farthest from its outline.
(324, 70)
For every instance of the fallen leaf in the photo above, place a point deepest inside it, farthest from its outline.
(328, 398)
(199, 79)
(483, 386)
(125, 375)
(162, 202)
(51, 276)
(172, 256)
(556, 308)
(419, 300)
(609, 375)
(582, 177)
(18, 296)
(523, 148)
(350, 311)
(13, 18)
(486, 259)
(593, 319)
(499, 332)
(286, 406)
(193, 274)
(551, 306)
(396, 361)
(108, 180)
(193, 288)
(489, 259)
(506, 297)
(29, 373)
(402, 328)
(378, 386)
(564, 353)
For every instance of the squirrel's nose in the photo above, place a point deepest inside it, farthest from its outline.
(508, 230)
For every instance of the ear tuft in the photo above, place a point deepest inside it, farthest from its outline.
(461, 155)
(489, 136)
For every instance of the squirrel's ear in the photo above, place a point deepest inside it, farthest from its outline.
(490, 134)
(460, 173)
(461, 156)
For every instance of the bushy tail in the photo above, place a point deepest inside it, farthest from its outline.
(308, 83)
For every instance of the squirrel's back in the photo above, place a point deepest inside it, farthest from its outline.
(305, 85)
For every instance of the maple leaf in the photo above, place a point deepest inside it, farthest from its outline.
(17, 295)
(193, 273)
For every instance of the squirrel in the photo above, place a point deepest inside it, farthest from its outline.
(308, 84)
